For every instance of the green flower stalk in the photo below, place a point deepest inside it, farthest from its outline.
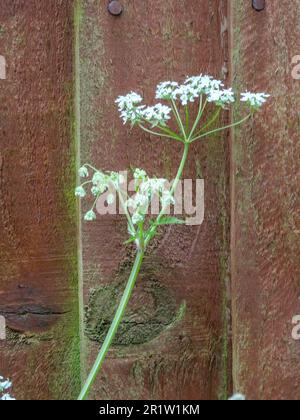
(211, 98)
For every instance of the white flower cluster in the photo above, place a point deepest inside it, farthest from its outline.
(146, 189)
(100, 184)
(5, 385)
(191, 90)
(165, 90)
(131, 110)
(157, 114)
(221, 97)
(255, 100)
(129, 107)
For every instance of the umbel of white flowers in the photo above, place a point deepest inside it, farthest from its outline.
(137, 205)
(192, 89)
(204, 89)
(5, 385)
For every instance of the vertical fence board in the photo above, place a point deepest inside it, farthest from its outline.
(185, 358)
(38, 265)
(265, 222)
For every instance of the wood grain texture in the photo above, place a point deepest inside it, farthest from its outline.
(265, 215)
(151, 42)
(38, 266)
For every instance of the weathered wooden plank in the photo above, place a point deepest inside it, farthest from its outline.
(38, 264)
(265, 214)
(150, 42)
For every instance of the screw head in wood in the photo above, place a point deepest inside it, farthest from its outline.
(259, 5)
(115, 8)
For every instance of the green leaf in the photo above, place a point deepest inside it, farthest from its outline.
(171, 221)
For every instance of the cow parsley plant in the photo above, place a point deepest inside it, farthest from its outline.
(171, 118)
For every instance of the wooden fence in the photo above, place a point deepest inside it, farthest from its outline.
(66, 61)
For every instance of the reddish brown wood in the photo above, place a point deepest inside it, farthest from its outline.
(265, 217)
(38, 280)
(151, 42)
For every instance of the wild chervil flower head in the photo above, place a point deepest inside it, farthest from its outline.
(157, 114)
(204, 84)
(186, 94)
(90, 216)
(80, 192)
(165, 90)
(128, 107)
(254, 100)
(140, 175)
(83, 172)
(221, 97)
(129, 101)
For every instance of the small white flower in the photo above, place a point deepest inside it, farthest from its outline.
(100, 180)
(186, 94)
(165, 90)
(133, 115)
(254, 100)
(128, 108)
(140, 174)
(203, 84)
(80, 192)
(157, 114)
(83, 172)
(141, 201)
(216, 84)
(129, 101)
(221, 97)
(96, 191)
(90, 216)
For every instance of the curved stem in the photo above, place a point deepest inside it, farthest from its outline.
(210, 122)
(178, 119)
(187, 118)
(114, 326)
(91, 167)
(123, 204)
(200, 113)
(171, 133)
(222, 128)
(155, 133)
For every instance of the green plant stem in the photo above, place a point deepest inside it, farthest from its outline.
(114, 326)
(209, 133)
(154, 133)
(124, 207)
(173, 189)
(200, 113)
(178, 119)
(210, 122)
